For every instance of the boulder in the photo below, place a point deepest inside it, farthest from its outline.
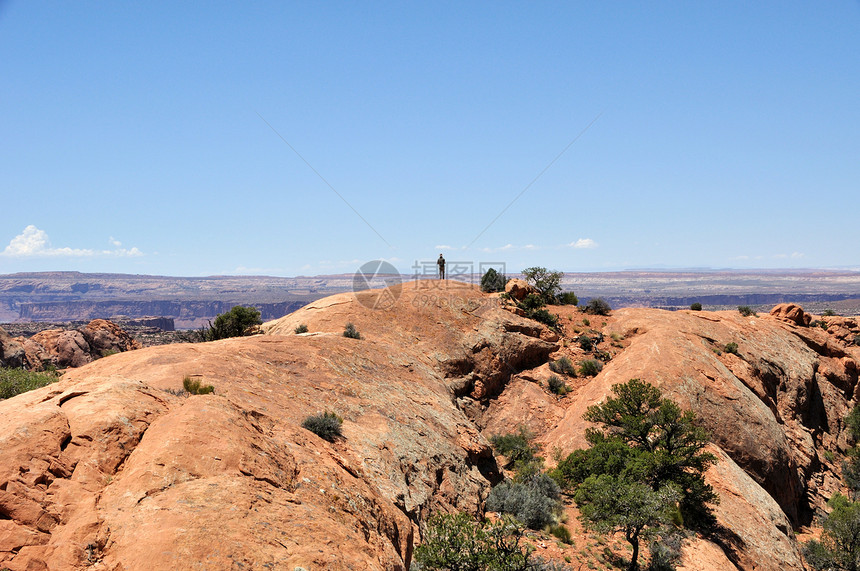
(792, 313)
(105, 337)
(12, 352)
(67, 348)
(518, 289)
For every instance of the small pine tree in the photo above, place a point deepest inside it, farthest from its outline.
(493, 281)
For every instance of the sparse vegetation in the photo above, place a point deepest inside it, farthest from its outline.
(326, 425)
(857, 340)
(557, 386)
(237, 322)
(597, 306)
(350, 331)
(828, 313)
(563, 365)
(301, 328)
(16, 381)
(839, 547)
(586, 322)
(746, 311)
(696, 306)
(193, 386)
(731, 347)
(547, 283)
(493, 281)
(590, 367)
(533, 305)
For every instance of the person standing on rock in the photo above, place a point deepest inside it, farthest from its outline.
(441, 263)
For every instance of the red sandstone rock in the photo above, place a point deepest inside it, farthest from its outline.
(106, 470)
(518, 289)
(792, 313)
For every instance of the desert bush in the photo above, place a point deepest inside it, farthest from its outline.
(586, 322)
(597, 306)
(531, 302)
(568, 298)
(237, 322)
(516, 447)
(665, 553)
(533, 502)
(556, 385)
(696, 306)
(459, 542)
(301, 328)
(839, 546)
(493, 281)
(562, 365)
(746, 311)
(857, 340)
(349, 331)
(326, 425)
(828, 313)
(585, 342)
(560, 532)
(543, 316)
(193, 386)
(731, 347)
(590, 367)
(16, 381)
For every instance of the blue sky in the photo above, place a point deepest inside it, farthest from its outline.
(303, 138)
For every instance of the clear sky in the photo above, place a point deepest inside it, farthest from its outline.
(303, 138)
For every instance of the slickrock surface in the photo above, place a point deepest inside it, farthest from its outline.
(107, 470)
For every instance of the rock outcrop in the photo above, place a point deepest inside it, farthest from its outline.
(113, 468)
(65, 347)
(792, 313)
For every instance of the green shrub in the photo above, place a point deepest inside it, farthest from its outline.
(568, 298)
(531, 302)
(696, 306)
(561, 532)
(562, 365)
(193, 386)
(590, 367)
(586, 322)
(237, 322)
(459, 542)
(493, 281)
(857, 340)
(349, 331)
(585, 342)
(746, 311)
(16, 381)
(326, 425)
(557, 386)
(516, 447)
(828, 313)
(597, 306)
(731, 347)
(543, 316)
(301, 328)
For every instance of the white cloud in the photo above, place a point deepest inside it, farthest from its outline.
(797, 255)
(447, 247)
(34, 243)
(583, 243)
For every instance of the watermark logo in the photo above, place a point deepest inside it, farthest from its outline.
(377, 274)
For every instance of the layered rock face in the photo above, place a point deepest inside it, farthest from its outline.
(110, 469)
